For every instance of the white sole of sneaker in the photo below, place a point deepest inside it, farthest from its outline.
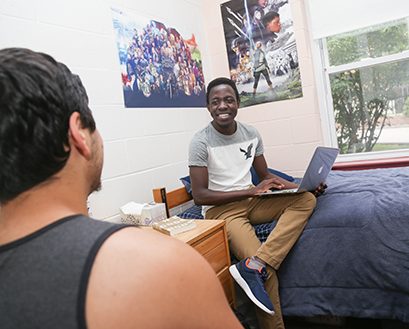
(243, 284)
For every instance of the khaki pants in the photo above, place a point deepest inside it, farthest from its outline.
(292, 212)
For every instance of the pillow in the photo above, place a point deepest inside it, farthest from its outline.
(254, 178)
(186, 182)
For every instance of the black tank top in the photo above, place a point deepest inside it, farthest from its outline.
(44, 276)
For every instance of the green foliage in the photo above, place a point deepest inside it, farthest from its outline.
(390, 40)
(388, 147)
(373, 43)
(342, 51)
(356, 118)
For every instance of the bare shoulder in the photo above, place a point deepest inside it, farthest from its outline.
(145, 279)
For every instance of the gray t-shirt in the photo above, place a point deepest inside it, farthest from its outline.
(228, 158)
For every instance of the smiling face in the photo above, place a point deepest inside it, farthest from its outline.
(223, 105)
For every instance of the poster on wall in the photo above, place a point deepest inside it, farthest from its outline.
(262, 53)
(161, 66)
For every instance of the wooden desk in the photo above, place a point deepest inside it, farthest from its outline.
(209, 238)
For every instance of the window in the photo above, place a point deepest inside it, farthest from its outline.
(367, 72)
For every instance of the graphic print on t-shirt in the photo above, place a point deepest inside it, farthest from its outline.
(247, 153)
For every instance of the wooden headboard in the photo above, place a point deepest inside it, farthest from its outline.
(171, 199)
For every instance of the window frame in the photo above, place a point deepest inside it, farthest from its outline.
(322, 72)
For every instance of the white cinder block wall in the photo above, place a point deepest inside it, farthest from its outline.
(147, 148)
(144, 148)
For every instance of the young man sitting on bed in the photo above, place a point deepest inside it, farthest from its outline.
(58, 267)
(220, 158)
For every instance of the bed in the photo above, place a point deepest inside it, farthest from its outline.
(352, 259)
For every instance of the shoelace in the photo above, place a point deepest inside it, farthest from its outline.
(263, 277)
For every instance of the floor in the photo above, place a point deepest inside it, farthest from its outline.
(347, 323)
(247, 311)
(336, 323)
(332, 323)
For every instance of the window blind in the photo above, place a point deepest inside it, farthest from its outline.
(330, 17)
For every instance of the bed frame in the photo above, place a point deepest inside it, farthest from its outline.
(171, 199)
(372, 164)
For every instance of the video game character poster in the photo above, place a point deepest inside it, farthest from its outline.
(161, 66)
(261, 48)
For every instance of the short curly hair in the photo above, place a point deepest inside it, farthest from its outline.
(37, 97)
(221, 81)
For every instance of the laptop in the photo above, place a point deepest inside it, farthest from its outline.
(317, 171)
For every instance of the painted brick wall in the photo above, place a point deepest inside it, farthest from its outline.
(144, 148)
(147, 148)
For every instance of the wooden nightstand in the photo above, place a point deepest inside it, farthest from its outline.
(209, 238)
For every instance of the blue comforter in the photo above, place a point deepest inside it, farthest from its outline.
(353, 257)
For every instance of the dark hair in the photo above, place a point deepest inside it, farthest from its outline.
(269, 17)
(37, 97)
(221, 81)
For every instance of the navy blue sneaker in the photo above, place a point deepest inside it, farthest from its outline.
(252, 281)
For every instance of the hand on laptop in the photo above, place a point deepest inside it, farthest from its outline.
(320, 189)
(268, 184)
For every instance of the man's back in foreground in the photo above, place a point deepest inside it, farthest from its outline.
(51, 157)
